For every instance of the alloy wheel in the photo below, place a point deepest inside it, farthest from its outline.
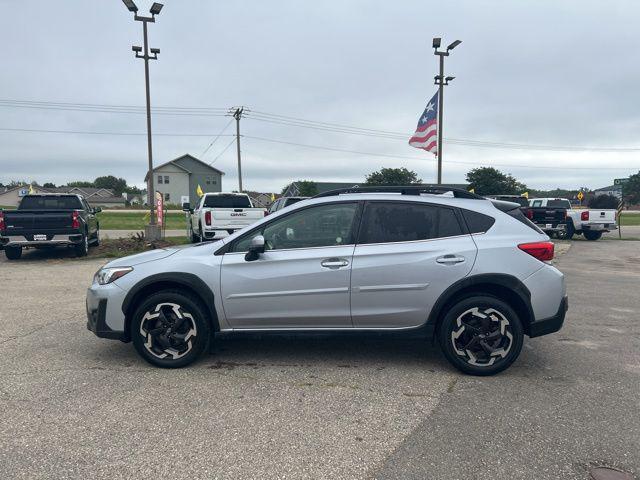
(482, 336)
(168, 331)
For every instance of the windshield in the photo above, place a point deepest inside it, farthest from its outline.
(559, 203)
(227, 201)
(50, 203)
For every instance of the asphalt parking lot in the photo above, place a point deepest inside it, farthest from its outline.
(74, 406)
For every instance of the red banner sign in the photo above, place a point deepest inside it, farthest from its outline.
(159, 208)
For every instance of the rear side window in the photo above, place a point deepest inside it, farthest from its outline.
(51, 203)
(477, 222)
(226, 201)
(385, 222)
(518, 215)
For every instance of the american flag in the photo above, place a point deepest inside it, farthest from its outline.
(426, 135)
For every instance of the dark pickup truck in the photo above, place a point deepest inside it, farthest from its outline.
(49, 220)
(551, 219)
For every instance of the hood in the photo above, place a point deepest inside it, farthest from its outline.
(143, 257)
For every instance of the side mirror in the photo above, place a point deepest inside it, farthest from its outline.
(186, 207)
(256, 247)
(97, 210)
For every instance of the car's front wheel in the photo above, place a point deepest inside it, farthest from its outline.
(481, 335)
(592, 236)
(13, 253)
(170, 329)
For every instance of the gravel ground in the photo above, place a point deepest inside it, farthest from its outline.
(75, 406)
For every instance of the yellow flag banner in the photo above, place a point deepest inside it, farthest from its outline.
(199, 191)
(526, 195)
(31, 190)
(472, 190)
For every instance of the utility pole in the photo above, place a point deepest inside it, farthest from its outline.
(238, 115)
(152, 232)
(441, 81)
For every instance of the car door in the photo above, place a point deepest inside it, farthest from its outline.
(92, 222)
(302, 278)
(406, 255)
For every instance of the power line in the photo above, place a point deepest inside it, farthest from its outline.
(224, 150)
(81, 132)
(375, 154)
(215, 139)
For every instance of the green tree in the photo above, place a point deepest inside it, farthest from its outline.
(393, 176)
(603, 201)
(80, 184)
(49, 185)
(118, 185)
(306, 188)
(631, 189)
(491, 181)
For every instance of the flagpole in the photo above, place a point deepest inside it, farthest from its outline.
(440, 109)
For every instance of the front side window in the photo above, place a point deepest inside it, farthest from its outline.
(537, 203)
(321, 226)
(385, 222)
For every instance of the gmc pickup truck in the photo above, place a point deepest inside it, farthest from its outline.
(49, 220)
(220, 212)
(591, 223)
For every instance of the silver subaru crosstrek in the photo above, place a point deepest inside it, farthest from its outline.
(449, 264)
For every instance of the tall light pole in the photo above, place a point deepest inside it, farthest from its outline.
(441, 81)
(238, 115)
(152, 231)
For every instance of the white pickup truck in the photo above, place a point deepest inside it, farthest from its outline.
(220, 212)
(591, 223)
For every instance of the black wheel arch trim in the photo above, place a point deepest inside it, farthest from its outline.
(503, 281)
(180, 279)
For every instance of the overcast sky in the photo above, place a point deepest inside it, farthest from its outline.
(558, 73)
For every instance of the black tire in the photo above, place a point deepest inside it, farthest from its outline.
(166, 348)
(13, 253)
(461, 331)
(193, 238)
(82, 248)
(592, 236)
(571, 231)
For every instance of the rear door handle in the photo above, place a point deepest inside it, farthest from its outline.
(334, 263)
(450, 259)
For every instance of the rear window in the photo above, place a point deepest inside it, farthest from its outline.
(50, 203)
(227, 201)
(477, 222)
(385, 222)
(558, 203)
(518, 215)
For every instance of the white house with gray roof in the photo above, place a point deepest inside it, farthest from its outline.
(180, 177)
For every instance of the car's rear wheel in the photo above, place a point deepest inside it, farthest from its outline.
(592, 235)
(13, 253)
(481, 335)
(170, 329)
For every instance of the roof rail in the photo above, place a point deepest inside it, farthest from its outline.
(404, 190)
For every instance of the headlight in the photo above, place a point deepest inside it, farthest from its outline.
(108, 275)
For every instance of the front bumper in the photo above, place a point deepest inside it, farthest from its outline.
(28, 241)
(551, 324)
(103, 305)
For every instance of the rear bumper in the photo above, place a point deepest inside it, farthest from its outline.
(551, 324)
(552, 227)
(52, 240)
(599, 227)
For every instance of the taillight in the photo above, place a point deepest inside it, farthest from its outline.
(1, 220)
(529, 214)
(207, 217)
(584, 216)
(75, 220)
(541, 250)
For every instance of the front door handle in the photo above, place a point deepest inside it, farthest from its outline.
(334, 263)
(450, 259)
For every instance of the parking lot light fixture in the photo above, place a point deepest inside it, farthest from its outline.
(454, 45)
(152, 232)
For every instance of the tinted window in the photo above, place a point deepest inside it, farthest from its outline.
(50, 203)
(536, 203)
(559, 203)
(477, 222)
(518, 215)
(403, 222)
(321, 226)
(291, 201)
(227, 201)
